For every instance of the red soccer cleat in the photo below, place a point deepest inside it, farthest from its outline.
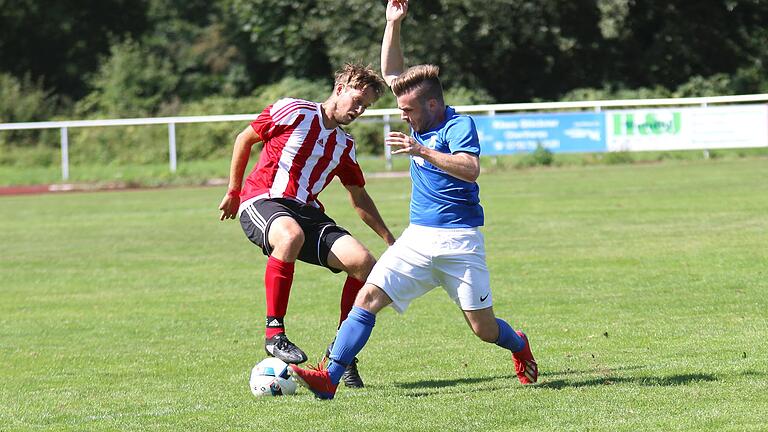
(316, 379)
(525, 365)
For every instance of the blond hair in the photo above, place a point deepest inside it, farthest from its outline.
(423, 78)
(359, 77)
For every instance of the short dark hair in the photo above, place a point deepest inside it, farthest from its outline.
(360, 77)
(423, 78)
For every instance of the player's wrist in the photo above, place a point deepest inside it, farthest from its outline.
(419, 150)
(233, 192)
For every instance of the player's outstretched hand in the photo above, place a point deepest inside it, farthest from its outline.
(229, 206)
(396, 9)
(402, 143)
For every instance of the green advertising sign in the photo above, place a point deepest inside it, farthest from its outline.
(625, 124)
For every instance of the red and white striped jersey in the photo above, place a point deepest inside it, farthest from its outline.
(300, 156)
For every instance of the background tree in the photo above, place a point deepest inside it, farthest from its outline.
(118, 58)
(667, 43)
(61, 41)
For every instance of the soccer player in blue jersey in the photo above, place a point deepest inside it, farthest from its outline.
(442, 246)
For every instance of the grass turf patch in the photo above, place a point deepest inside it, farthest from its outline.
(641, 288)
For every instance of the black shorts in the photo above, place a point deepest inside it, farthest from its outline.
(320, 231)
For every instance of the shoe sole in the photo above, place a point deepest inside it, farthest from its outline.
(531, 371)
(285, 359)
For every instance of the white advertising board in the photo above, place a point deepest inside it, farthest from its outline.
(736, 126)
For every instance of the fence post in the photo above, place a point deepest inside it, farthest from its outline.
(387, 150)
(172, 146)
(64, 154)
(495, 160)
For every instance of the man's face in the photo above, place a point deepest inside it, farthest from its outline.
(415, 111)
(352, 103)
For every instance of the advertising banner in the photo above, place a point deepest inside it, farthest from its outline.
(735, 126)
(561, 132)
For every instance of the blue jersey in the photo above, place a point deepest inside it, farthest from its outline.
(439, 199)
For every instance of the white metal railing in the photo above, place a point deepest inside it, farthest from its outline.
(376, 115)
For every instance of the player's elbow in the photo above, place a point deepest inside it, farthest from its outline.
(389, 77)
(247, 138)
(473, 174)
(244, 139)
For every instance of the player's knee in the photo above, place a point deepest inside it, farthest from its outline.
(365, 297)
(371, 298)
(363, 266)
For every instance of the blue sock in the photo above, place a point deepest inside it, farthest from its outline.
(350, 339)
(508, 338)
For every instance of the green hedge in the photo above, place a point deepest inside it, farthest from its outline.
(27, 101)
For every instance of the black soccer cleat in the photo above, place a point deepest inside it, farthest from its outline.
(279, 346)
(351, 376)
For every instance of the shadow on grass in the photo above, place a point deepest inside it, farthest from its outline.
(430, 387)
(465, 385)
(601, 370)
(447, 383)
(664, 381)
(754, 374)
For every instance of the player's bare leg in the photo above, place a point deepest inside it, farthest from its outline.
(285, 238)
(351, 256)
(494, 330)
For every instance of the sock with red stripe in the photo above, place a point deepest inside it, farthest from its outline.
(277, 281)
(348, 293)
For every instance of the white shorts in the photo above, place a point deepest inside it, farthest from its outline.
(424, 258)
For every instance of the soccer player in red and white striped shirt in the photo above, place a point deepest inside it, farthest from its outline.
(304, 149)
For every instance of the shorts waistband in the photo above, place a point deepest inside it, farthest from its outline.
(266, 195)
(439, 230)
(250, 201)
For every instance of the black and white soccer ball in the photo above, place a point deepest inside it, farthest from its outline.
(270, 378)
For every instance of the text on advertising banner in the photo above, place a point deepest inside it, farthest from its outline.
(736, 126)
(561, 132)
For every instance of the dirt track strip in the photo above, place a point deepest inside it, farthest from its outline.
(88, 187)
(51, 188)
(25, 190)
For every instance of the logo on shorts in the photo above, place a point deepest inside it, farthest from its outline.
(482, 298)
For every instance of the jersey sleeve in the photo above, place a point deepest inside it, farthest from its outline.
(264, 125)
(348, 170)
(461, 135)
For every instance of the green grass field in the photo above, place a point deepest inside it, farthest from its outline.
(642, 288)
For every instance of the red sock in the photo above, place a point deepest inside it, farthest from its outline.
(351, 288)
(277, 281)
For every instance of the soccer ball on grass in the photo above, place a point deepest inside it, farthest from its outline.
(270, 378)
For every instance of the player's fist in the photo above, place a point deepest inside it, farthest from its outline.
(396, 9)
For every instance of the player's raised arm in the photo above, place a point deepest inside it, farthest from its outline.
(391, 52)
(240, 155)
